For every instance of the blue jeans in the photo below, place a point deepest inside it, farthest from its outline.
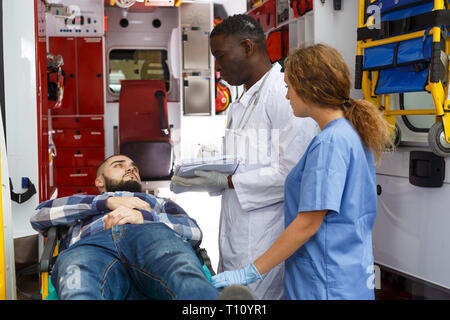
(145, 261)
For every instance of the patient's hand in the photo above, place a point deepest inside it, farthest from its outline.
(112, 203)
(122, 215)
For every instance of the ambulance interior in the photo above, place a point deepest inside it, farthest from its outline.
(85, 79)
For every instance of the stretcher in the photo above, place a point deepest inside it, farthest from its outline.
(56, 236)
(403, 47)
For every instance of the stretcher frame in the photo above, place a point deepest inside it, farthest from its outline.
(55, 236)
(50, 250)
(439, 133)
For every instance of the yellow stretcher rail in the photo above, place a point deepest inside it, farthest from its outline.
(2, 249)
(44, 285)
(45, 279)
(403, 37)
(416, 112)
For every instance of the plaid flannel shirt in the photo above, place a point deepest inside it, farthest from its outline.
(84, 214)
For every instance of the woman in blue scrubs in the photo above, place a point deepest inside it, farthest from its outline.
(330, 195)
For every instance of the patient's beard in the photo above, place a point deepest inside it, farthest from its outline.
(129, 185)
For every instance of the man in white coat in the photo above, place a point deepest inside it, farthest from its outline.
(263, 132)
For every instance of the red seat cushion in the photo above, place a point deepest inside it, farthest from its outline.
(140, 124)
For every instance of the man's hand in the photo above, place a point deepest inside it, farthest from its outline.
(112, 203)
(122, 215)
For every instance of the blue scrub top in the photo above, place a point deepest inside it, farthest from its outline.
(337, 174)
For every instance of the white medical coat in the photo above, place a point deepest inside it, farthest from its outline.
(252, 216)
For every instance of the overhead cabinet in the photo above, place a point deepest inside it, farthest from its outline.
(83, 70)
(77, 126)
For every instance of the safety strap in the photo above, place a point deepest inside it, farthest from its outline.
(47, 259)
(162, 112)
(22, 197)
(406, 25)
(207, 262)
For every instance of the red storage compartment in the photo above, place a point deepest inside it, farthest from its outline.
(79, 157)
(78, 138)
(78, 126)
(75, 176)
(77, 122)
(265, 14)
(90, 75)
(69, 191)
(83, 70)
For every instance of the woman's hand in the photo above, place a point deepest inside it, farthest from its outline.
(242, 276)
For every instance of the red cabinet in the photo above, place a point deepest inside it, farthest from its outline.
(77, 122)
(79, 157)
(78, 138)
(77, 126)
(79, 143)
(68, 191)
(273, 16)
(83, 69)
(265, 14)
(72, 176)
(90, 75)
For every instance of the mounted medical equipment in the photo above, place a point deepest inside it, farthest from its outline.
(223, 96)
(223, 93)
(56, 80)
(278, 45)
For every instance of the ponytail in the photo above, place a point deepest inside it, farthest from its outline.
(372, 128)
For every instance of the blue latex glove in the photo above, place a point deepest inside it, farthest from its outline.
(242, 276)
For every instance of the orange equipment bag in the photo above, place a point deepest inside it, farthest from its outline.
(278, 45)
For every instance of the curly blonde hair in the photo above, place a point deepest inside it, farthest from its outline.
(319, 75)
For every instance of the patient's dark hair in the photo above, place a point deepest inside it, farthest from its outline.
(102, 166)
(242, 25)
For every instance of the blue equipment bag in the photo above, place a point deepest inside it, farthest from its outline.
(403, 66)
